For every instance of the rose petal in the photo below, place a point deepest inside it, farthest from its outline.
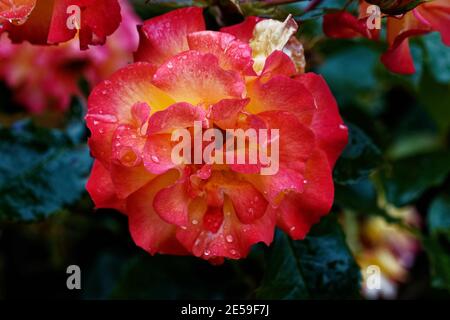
(111, 103)
(225, 113)
(296, 144)
(437, 14)
(243, 31)
(128, 180)
(281, 93)
(37, 26)
(148, 230)
(344, 25)
(398, 57)
(196, 78)
(101, 189)
(171, 203)
(16, 10)
(233, 54)
(157, 153)
(278, 63)
(165, 36)
(299, 211)
(232, 239)
(178, 115)
(327, 124)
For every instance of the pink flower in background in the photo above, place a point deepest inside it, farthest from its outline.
(57, 70)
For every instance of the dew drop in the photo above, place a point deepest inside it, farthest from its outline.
(155, 159)
(106, 118)
(207, 252)
(305, 181)
(194, 221)
(229, 238)
(342, 127)
(292, 229)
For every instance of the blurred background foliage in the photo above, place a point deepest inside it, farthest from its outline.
(392, 202)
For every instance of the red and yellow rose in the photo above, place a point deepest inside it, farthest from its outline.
(239, 77)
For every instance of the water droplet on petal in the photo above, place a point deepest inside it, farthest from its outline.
(292, 229)
(305, 181)
(194, 221)
(207, 252)
(155, 159)
(342, 127)
(229, 238)
(105, 118)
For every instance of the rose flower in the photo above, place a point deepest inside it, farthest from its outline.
(426, 17)
(242, 77)
(47, 21)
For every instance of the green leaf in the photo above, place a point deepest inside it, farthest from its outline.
(394, 7)
(434, 97)
(361, 196)
(350, 74)
(147, 9)
(440, 262)
(439, 215)
(171, 277)
(319, 267)
(359, 158)
(437, 244)
(41, 170)
(437, 57)
(408, 178)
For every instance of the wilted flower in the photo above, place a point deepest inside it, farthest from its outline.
(186, 75)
